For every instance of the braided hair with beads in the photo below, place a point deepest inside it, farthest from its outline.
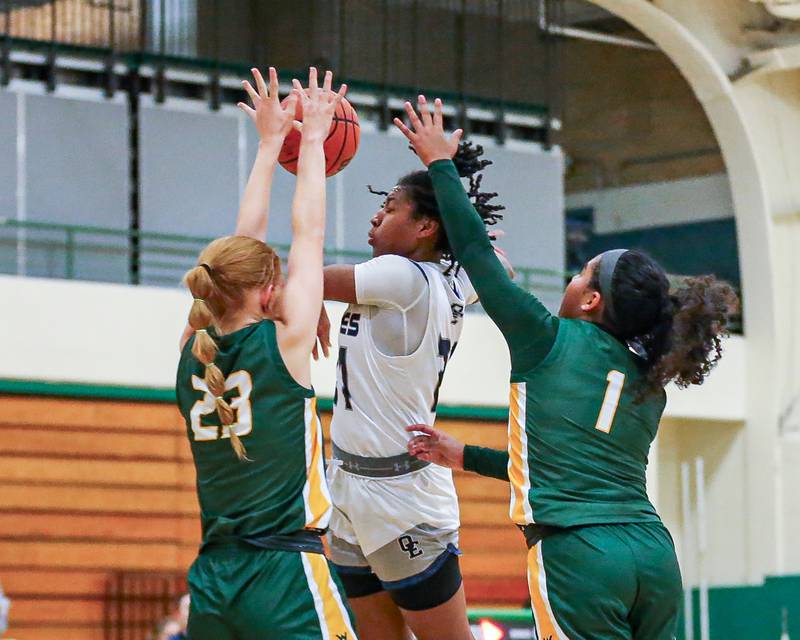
(418, 187)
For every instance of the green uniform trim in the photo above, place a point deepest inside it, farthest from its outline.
(90, 391)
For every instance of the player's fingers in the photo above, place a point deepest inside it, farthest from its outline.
(251, 92)
(298, 126)
(455, 138)
(273, 82)
(297, 85)
(415, 448)
(337, 97)
(312, 81)
(438, 118)
(422, 104)
(413, 118)
(404, 129)
(247, 109)
(327, 81)
(422, 428)
(262, 86)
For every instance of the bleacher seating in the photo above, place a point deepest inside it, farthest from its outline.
(93, 487)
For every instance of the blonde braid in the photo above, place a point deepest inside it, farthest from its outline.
(205, 349)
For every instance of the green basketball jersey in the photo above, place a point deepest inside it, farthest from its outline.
(578, 440)
(283, 489)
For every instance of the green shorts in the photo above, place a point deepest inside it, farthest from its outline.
(244, 593)
(616, 582)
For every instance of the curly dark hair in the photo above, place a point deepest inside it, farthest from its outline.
(677, 333)
(418, 187)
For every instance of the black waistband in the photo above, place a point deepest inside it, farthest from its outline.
(535, 533)
(392, 467)
(305, 540)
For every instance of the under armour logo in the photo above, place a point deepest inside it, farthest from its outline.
(410, 546)
(341, 636)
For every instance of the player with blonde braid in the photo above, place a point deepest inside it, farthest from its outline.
(244, 390)
(202, 316)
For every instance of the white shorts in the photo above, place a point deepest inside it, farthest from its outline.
(372, 513)
(409, 558)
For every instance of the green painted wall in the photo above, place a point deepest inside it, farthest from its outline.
(751, 612)
(736, 613)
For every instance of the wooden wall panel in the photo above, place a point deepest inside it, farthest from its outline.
(89, 487)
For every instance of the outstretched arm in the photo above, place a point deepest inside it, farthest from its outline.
(528, 327)
(301, 299)
(438, 447)
(273, 123)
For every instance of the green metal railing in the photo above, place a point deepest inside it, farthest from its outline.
(83, 252)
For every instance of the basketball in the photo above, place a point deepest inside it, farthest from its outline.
(340, 145)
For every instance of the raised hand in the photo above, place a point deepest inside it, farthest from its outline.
(435, 446)
(319, 105)
(427, 134)
(273, 120)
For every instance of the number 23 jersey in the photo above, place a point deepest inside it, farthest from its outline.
(282, 488)
(394, 346)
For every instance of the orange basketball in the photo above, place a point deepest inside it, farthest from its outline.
(340, 145)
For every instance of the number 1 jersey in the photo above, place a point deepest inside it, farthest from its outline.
(580, 431)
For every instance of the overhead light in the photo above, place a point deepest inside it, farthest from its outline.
(491, 630)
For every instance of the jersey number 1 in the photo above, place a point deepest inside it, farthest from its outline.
(605, 420)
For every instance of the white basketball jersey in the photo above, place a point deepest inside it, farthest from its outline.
(378, 395)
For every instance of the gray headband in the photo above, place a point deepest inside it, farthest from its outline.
(605, 276)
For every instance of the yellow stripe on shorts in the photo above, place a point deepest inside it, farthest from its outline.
(334, 622)
(546, 625)
(520, 509)
(315, 492)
